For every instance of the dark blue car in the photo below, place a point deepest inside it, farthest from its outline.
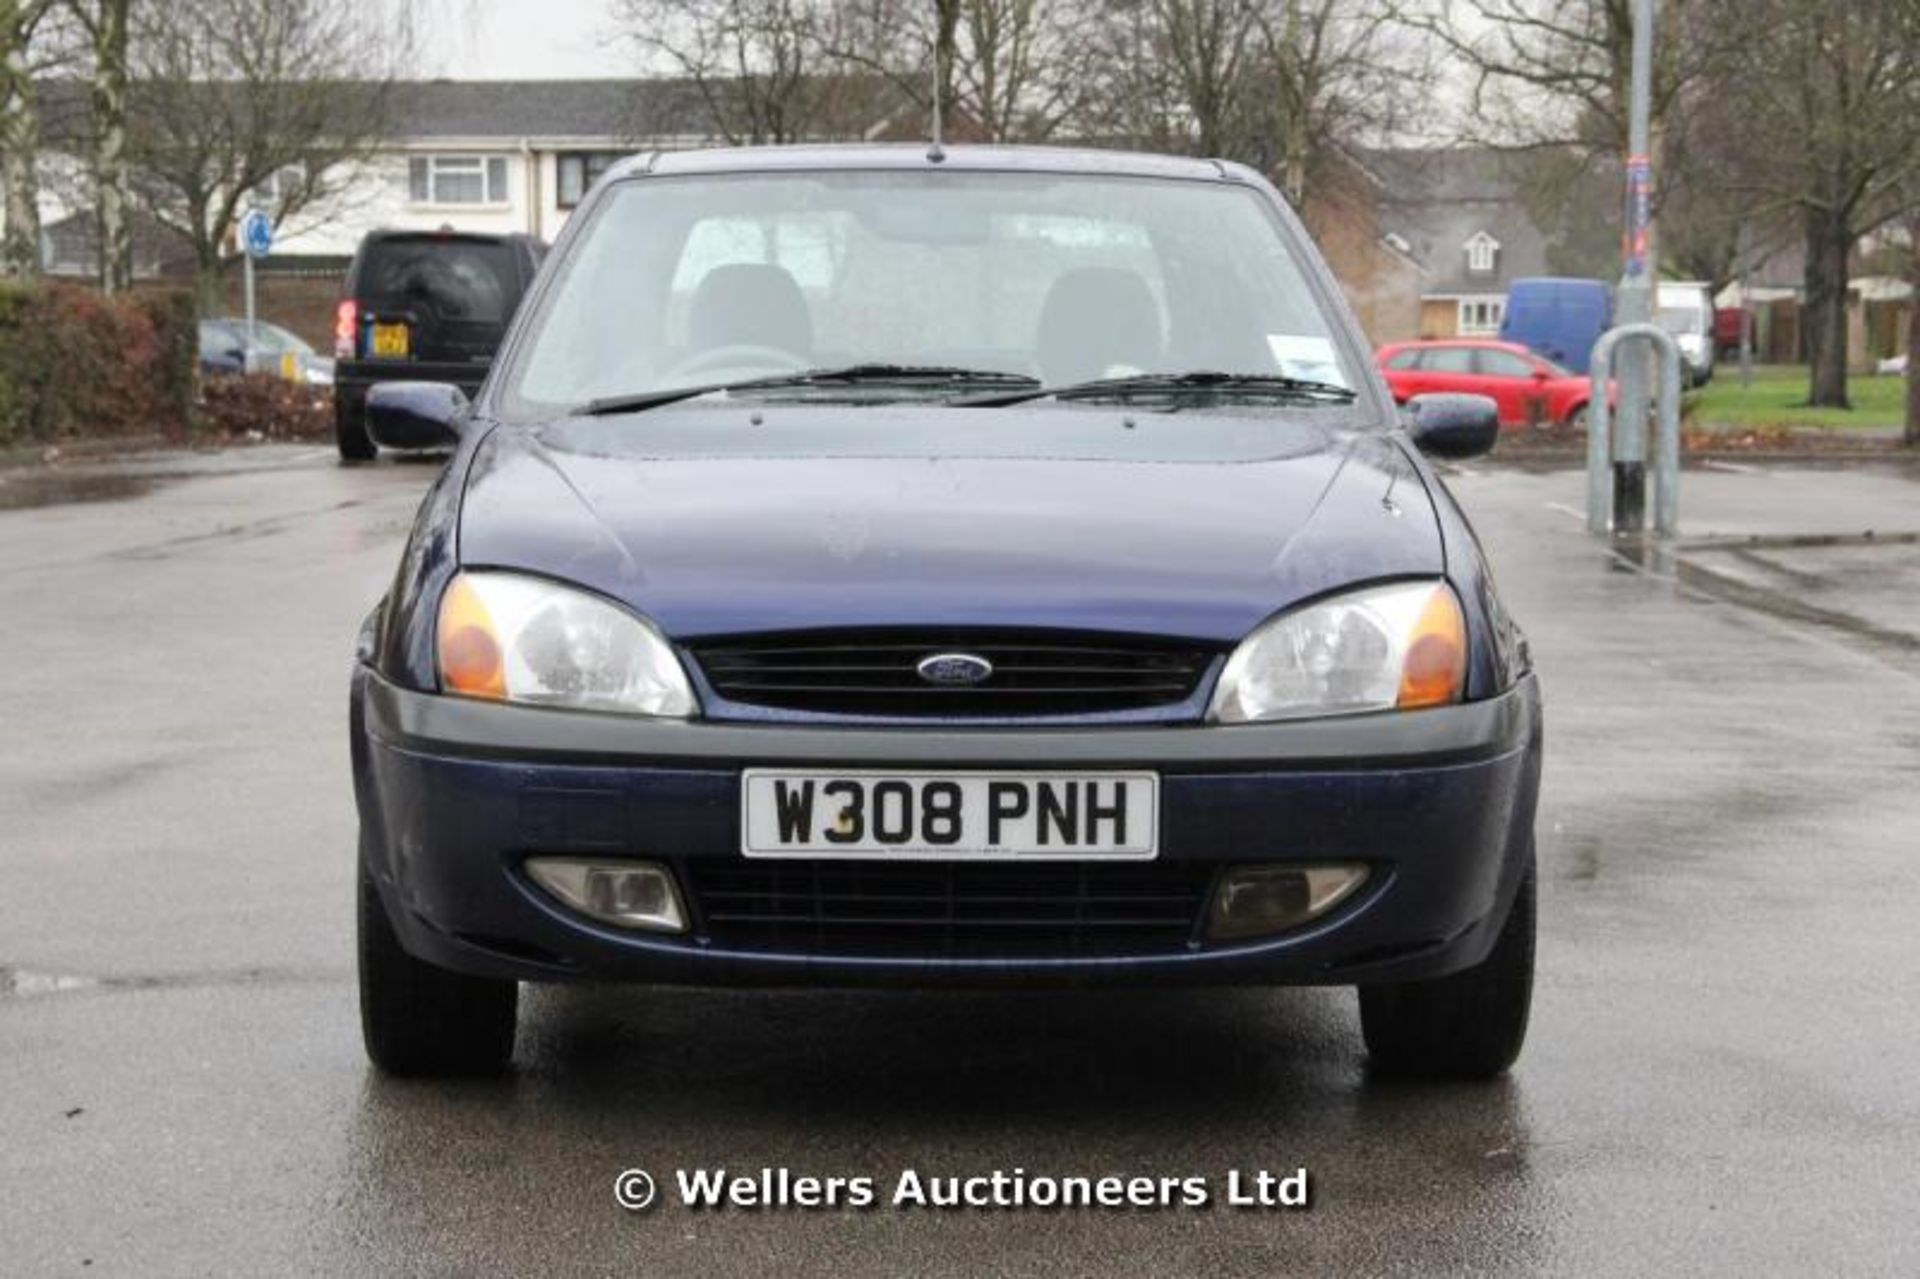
(881, 566)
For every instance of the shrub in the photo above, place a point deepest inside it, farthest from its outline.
(261, 406)
(74, 363)
(176, 329)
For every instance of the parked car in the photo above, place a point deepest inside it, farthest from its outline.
(1530, 391)
(1685, 309)
(423, 304)
(228, 345)
(1727, 322)
(1558, 319)
(992, 567)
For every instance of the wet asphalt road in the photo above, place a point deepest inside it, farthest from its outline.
(1723, 1076)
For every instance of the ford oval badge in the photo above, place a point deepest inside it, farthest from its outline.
(954, 668)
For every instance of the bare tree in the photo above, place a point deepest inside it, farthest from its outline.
(1009, 70)
(1331, 75)
(1549, 81)
(766, 70)
(1292, 87)
(1557, 73)
(1910, 226)
(106, 24)
(1018, 66)
(21, 60)
(1131, 94)
(1207, 45)
(1823, 118)
(280, 102)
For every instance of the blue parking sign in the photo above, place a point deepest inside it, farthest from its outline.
(256, 233)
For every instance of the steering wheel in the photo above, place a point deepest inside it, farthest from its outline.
(738, 356)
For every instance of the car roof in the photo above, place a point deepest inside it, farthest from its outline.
(444, 233)
(1490, 344)
(919, 156)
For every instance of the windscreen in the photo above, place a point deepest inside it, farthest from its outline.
(446, 279)
(688, 281)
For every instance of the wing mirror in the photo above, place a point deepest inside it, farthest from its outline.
(1453, 426)
(415, 415)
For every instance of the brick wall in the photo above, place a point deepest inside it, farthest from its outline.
(1382, 287)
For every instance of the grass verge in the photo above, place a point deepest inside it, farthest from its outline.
(1777, 401)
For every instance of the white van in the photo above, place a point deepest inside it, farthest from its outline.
(1685, 309)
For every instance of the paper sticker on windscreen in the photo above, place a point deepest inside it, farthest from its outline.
(1311, 359)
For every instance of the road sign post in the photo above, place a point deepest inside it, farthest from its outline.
(256, 241)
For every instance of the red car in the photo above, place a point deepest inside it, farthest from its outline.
(1530, 391)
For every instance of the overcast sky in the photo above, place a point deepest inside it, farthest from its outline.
(526, 40)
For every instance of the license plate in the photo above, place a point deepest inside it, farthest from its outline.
(390, 341)
(950, 816)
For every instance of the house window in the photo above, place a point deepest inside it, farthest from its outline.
(457, 179)
(578, 170)
(279, 186)
(1483, 251)
(1481, 316)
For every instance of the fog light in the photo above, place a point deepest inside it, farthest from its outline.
(1256, 901)
(637, 895)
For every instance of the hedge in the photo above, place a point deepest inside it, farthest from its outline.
(263, 406)
(76, 364)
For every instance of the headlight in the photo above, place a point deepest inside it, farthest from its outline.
(1401, 646)
(511, 638)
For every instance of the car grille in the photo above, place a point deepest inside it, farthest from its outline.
(876, 673)
(935, 910)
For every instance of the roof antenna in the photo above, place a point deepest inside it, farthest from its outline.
(936, 150)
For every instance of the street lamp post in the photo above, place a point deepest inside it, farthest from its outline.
(1634, 303)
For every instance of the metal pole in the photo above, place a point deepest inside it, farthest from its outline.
(1666, 462)
(251, 334)
(1599, 436)
(1746, 305)
(1634, 303)
(1607, 353)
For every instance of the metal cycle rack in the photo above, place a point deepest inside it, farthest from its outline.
(1627, 472)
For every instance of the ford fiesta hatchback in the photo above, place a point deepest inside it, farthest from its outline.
(990, 567)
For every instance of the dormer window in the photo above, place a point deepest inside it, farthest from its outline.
(1482, 252)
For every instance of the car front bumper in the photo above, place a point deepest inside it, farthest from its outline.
(454, 795)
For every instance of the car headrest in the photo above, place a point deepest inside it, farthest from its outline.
(1095, 318)
(749, 304)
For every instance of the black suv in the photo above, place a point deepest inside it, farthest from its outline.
(423, 305)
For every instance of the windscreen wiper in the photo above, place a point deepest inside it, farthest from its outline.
(1199, 381)
(914, 375)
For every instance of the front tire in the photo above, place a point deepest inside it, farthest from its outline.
(421, 1020)
(1577, 420)
(1469, 1025)
(350, 431)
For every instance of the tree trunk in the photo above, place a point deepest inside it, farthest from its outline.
(1912, 435)
(209, 273)
(19, 136)
(110, 154)
(1829, 240)
(1296, 148)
